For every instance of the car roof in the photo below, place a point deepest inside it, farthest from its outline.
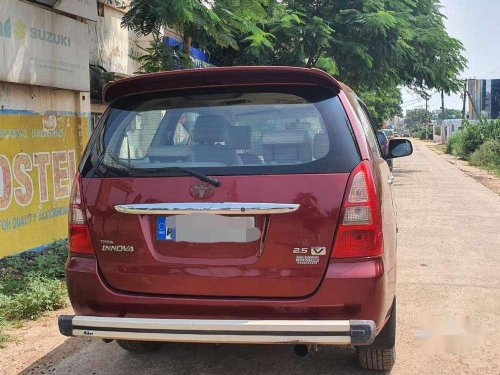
(215, 77)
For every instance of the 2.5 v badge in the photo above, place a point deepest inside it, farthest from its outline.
(314, 250)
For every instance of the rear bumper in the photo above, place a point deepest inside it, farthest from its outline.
(325, 332)
(362, 290)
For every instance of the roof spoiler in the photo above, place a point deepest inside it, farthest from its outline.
(213, 77)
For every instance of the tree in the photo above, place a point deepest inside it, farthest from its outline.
(206, 22)
(416, 117)
(383, 104)
(375, 46)
(448, 114)
(285, 36)
(159, 56)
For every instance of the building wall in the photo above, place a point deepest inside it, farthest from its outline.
(44, 119)
(42, 136)
(112, 46)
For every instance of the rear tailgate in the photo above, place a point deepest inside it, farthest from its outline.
(288, 261)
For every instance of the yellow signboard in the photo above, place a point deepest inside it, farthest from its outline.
(38, 159)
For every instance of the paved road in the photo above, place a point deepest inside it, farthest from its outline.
(449, 271)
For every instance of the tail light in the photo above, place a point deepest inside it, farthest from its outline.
(360, 232)
(79, 233)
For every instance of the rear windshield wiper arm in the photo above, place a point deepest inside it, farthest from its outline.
(212, 181)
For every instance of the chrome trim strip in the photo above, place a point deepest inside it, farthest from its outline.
(224, 208)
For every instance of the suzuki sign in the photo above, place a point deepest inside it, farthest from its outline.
(42, 48)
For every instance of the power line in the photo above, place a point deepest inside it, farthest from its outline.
(410, 101)
(418, 102)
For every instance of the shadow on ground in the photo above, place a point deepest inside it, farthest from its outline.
(81, 356)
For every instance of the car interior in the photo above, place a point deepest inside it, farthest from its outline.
(211, 140)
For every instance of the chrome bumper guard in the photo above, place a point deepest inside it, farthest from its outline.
(325, 332)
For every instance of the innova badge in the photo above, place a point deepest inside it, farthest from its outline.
(202, 190)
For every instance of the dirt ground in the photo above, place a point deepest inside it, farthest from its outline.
(448, 298)
(488, 179)
(32, 342)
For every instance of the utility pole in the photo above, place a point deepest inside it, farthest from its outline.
(465, 99)
(426, 97)
(474, 109)
(443, 113)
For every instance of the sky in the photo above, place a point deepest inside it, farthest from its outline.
(477, 25)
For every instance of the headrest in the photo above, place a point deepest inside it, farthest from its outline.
(321, 145)
(210, 129)
(240, 137)
(285, 137)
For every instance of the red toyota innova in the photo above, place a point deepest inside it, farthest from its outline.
(235, 205)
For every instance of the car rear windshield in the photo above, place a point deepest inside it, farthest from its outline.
(227, 131)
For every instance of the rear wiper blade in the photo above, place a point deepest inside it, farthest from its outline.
(212, 181)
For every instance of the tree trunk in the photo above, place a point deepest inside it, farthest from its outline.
(186, 52)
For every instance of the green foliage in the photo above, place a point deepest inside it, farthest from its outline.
(467, 141)
(3, 326)
(35, 296)
(158, 56)
(416, 117)
(215, 22)
(383, 104)
(49, 263)
(479, 143)
(487, 155)
(448, 114)
(450, 145)
(424, 133)
(471, 136)
(31, 284)
(375, 46)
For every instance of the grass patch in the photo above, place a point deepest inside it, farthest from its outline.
(31, 284)
(487, 156)
(479, 144)
(439, 147)
(3, 334)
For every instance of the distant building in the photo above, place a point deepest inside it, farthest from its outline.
(442, 132)
(484, 100)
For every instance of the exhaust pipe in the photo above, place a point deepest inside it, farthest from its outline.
(301, 350)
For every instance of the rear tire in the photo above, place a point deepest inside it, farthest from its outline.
(139, 347)
(376, 359)
(381, 354)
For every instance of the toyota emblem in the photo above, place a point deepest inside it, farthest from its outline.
(202, 190)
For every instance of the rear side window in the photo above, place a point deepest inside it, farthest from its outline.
(367, 127)
(228, 132)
